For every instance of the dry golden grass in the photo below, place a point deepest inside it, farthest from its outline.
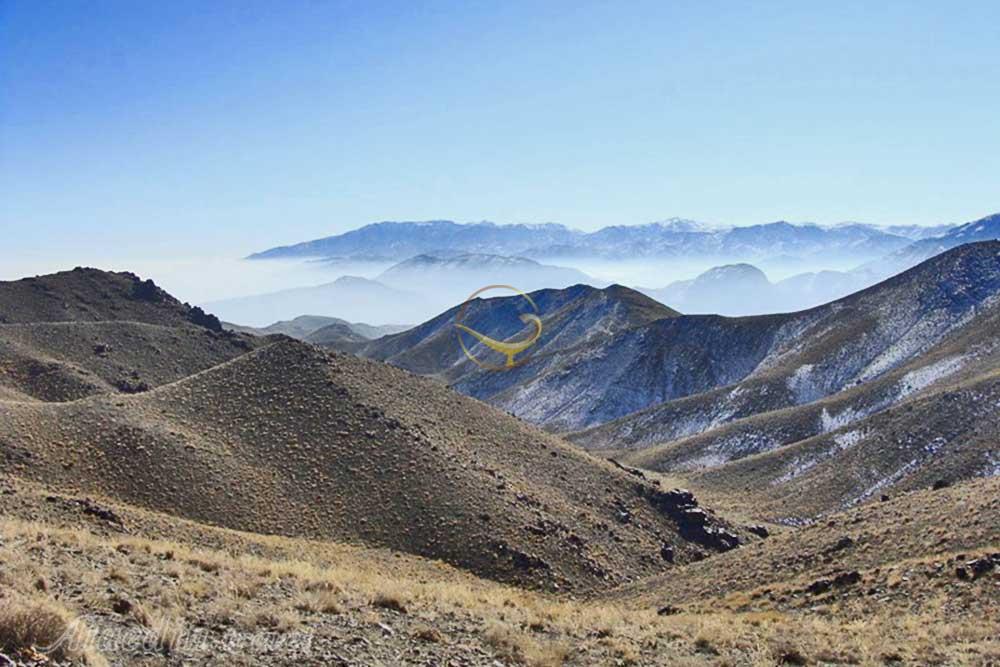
(167, 629)
(34, 625)
(282, 596)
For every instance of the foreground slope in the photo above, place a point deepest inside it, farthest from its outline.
(935, 554)
(153, 589)
(288, 439)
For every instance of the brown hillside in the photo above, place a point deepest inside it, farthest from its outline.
(972, 351)
(921, 570)
(63, 361)
(292, 440)
(83, 332)
(92, 295)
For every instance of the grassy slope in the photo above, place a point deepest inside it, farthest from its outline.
(214, 596)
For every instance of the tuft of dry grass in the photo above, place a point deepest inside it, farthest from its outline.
(320, 602)
(37, 625)
(517, 646)
(390, 601)
(167, 630)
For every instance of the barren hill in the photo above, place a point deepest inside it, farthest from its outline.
(971, 351)
(84, 332)
(91, 295)
(575, 319)
(945, 437)
(292, 440)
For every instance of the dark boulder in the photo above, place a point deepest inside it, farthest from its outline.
(980, 566)
(693, 523)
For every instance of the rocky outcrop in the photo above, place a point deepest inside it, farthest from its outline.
(694, 523)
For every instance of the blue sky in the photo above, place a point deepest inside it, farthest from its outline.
(179, 127)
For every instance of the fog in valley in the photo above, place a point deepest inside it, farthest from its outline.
(259, 292)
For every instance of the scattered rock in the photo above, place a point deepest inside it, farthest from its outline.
(980, 566)
(131, 386)
(840, 581)
(847, 579)
(90, 507)
(792, 656)
(146, 290)
(844, 542)
(819, 586)
(759, 531)
(693, 523)
(199, 317)
(390, 603)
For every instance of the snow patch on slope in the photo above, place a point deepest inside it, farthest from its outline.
(848, 439)
(916, 380)
(844, 418)
(992, 468)
(801, 465)
(722, 451)
(803, 385)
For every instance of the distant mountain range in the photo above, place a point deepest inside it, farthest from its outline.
(412, 290)
(733, 289)
(743, 289)
(329, 332)
(361, 298)
(464, 273)
(671, 238)
(984, 229)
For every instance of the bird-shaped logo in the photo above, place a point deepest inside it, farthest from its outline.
(508, 348)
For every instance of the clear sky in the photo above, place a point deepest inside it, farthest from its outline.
(226, 127)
